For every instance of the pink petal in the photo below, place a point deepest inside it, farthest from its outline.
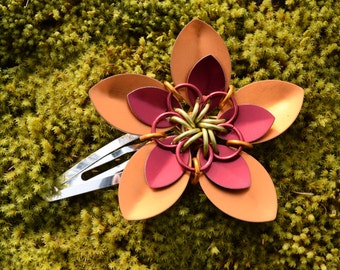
(252, 121)
(197, 40)
(258, 203)
(233, 174)
(207, 74)
(162, 168)
(136, 199)
(149, 102)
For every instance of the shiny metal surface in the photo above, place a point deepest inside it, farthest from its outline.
(106, 179)
(74, 183)
(97, 156)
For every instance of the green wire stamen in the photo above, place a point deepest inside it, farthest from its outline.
(197, 125)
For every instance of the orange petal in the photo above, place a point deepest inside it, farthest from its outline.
(256, 204)
(109, 98)
(136, 199)
(195, 41)
(281, 99)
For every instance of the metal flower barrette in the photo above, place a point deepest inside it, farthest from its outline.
(192, 131)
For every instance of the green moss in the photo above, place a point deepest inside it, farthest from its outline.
(52, 52)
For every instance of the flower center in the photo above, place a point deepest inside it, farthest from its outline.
(198, 129)
(197, 126)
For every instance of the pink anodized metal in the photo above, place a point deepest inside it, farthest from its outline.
(162, 168)
(252, 128)
(148, 102)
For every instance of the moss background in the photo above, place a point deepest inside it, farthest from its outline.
(53, 51)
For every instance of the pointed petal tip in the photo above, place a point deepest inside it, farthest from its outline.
(252, 121)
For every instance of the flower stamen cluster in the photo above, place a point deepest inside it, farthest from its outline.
(198, 125)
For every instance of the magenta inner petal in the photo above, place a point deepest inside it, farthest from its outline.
(207, 75)
(233, 174)
(162, 168)
(252, 121)
(147, 103)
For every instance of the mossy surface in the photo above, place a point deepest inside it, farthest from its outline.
(52, 52)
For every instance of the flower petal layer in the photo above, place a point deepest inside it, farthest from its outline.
(252, 121)
(195, 41)
(282, 99)
(232, 174)
(149, 102)
(109, 99)
(208, 76)
(136, 199)
(258, 203)
(162, 168)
